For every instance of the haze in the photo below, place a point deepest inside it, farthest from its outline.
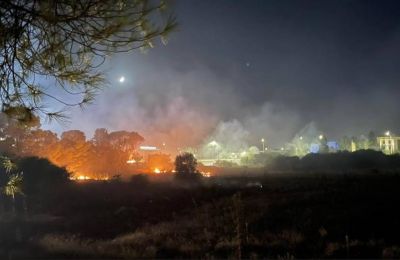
(266, 67)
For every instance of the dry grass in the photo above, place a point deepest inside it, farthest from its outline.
(288, 221)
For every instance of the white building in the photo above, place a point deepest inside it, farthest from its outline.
(389, 144)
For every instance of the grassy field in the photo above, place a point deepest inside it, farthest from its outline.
(285, 215)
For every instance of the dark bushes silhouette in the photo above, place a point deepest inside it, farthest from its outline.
(186, 166)
(341, 161)
(43, 182)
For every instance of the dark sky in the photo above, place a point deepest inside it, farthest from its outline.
(270, 66)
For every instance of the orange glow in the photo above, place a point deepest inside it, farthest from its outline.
(106, 154)
(86, 178)
(82, 178)
(206, 174)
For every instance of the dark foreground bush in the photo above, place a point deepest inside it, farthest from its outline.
(43, 182)
(341, 161)
(40, 174)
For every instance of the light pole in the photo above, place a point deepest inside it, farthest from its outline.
(214, 144)
(389, 141)
(263, 144)
(299, 147)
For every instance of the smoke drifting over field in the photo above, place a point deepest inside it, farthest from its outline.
(186, 108)
(266, 75)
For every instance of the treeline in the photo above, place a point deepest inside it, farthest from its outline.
(340, 161)
(104, 155)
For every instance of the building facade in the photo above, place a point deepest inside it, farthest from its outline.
(389, 144)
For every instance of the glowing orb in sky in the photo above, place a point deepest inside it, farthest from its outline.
(122, 79)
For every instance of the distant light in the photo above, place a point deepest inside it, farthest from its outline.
(282, 148)
(387, 133)
(301, 138)
(213, 143)
(148, 148)
(262, 140)
(82, 178)
(157, 171)
(122, 79)
(206, 174)
(321, 137)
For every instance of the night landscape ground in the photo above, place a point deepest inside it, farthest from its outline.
(320, 214)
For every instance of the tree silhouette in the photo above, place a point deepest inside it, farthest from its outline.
(104, 155)
(66, 42)
(186, 165)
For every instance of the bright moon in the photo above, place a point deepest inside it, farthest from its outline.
(122, 79)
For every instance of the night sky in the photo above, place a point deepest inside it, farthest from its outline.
(265, 67)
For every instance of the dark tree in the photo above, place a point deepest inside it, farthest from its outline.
(186, 165)
(65, 42)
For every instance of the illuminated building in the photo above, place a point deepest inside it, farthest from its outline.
(388, 143)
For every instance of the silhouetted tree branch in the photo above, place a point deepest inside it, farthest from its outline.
(66, 42)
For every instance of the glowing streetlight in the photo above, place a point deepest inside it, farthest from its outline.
(263, 144)
(301, 137)
(321, 137)
(389, 142)
(215, 145)
(121, 79)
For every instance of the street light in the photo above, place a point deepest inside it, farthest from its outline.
(263, 145)
(321, 137)
(215, 145)
(389, 141)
